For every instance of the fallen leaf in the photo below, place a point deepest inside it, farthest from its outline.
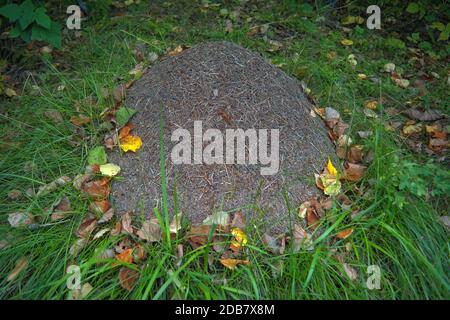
(220, 219)
(347, 42)
(411, 129)
(20, 219)
(276, 245)
(99, 206)
(426, 115)
(125, 256)
(198, 235)
(303, 209)
(61, 209)
(175, 51)
(100, 233)
(97, 155)
(119, 93)
(232, 263)
(355, 154)
(389, 67)
(117, 229)
(331, 169)
(126, 223)
(86, 227)
(123, 115)
(109, 169)
(240, 239)
(98, 189)
(350, 271)
(130, 143)
(54, 115)
(353, 172)
(21, 264)
(402, 83)
(125, 131)
(369, 113)
(312, 220)
(150, 231)
(362, 76)
(52, 186)
(128, 278)
(80, 120)
(14, 194)
(372, 104)
(10, 92)
(302, 239)
(238, 220)
(344, 234)
(106, 216)
(77, 246)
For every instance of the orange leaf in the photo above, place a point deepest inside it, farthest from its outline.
(125, 256)
(232, 263)
(125, 131)
(344, 233)
(80, 120)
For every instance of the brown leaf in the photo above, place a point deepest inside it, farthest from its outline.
(117, 229)
(86, 227)
(312, 219)
(98, 189)
(54, 115)
(199, 234)
(426, 115)
(344, 234)
(14, 194)
(353, 172)
(80, 120)
(302, 239)
(119, 93)
(21, 264)
(275, 245)
(106, 216)
(226, 117)
(99, 206)
(128, 278)
(61, 209)
(126, 223)
(125, 131)
(139, 253)
(355, 154)
(238, 220)
(150, 231)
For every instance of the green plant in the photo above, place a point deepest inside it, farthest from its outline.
(31, 22)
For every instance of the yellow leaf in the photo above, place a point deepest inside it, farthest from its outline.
(232, 263)
(362, 76)
(347, 42)
(130, 143)
(331, 169)
(372, 104)
(109, 169)
(240, 239)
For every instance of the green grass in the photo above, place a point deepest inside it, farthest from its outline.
(397, 229)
